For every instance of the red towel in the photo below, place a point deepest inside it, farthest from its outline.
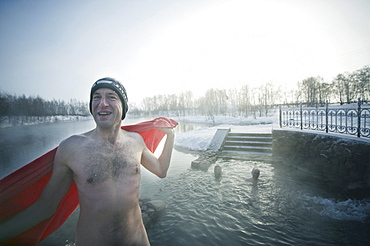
(23, 187)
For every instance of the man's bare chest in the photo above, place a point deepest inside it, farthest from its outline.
(101, 163)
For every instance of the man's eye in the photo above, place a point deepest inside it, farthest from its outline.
(96, 97)
(113, 97)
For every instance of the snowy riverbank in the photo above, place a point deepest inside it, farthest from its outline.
(199, 139)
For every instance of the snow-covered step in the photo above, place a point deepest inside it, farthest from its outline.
(248, 142)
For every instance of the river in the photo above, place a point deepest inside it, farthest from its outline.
(285, 207)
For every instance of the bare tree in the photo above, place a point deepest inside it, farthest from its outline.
(245, 100)
(361, 83)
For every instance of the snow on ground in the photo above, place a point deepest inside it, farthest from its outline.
(200, 139)
(227, 120)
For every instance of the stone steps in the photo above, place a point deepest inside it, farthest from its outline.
(247, 143)
(226, 144)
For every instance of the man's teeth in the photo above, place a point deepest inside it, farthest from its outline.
(104, 113)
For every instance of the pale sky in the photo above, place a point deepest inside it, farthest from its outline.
(57, 49)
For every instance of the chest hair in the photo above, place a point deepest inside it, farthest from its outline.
(107, 162)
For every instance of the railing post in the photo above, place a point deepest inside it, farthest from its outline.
(359, 117)
(301, 113)
(327, 116)
(280, 123)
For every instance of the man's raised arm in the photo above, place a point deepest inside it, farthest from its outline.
(160, 166)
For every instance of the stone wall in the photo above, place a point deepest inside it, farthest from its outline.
(341, 162)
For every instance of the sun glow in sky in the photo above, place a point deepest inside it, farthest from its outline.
(57, 49)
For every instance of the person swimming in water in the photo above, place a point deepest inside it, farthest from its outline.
(218, 172)
(255, 173)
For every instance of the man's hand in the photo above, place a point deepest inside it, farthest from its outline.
(168, 130)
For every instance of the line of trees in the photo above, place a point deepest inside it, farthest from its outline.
(257, 101)
(14, 106)
(235, 102)
(244, 101)
(345, 88)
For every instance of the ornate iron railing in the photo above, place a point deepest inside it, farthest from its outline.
(353, 120)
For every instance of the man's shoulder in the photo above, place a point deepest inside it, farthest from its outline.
(74, 140)
(69, 147)
(133, 135)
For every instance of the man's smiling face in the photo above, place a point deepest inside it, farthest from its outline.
(107, 107)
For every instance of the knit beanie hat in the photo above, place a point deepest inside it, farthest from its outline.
(113, 85)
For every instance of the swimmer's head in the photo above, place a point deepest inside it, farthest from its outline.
(255, 173)
(114, 85)
(217, 168)
(218, 171)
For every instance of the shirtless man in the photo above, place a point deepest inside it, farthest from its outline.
(105, 164)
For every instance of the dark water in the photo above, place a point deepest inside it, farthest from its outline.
(285, 207)
(20, 145)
